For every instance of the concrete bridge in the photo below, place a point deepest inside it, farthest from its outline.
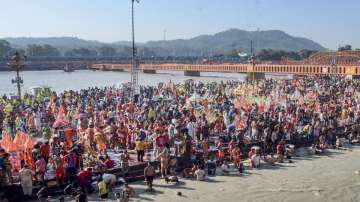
(258, 70)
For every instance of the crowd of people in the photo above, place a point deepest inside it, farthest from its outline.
(189, 130)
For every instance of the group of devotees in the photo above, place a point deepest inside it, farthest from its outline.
(91, 140)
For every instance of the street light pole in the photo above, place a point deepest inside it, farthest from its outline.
(16, 64)
(252, 63)
(134, 70)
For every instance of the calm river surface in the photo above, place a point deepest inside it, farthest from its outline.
(60, 80)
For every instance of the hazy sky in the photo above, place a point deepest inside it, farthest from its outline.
(329, 22)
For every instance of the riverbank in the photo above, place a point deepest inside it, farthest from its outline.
(46, 67)
(329, 177)
(58, 63)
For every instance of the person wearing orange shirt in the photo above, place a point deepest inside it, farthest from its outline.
(90, 134)
(59, 169)
(219, 123)
(221, 155)
(45, 151)
(100, 142)
(205, 147)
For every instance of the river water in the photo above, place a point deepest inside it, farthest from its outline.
(60, 80)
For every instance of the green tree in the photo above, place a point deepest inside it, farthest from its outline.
(50, 51)
(305, 53)
(270, 55)
(277, 55)
(42, 51)
(345, 48)
(127, 51)
(21, 51)
(107, 51)
(145, 52)
(81, 52)
(5, 48)
(293, 55)
(233, 53)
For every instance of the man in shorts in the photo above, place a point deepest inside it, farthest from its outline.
(125, 158)
(149, 173)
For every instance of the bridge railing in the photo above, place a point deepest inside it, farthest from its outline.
(242, 68)
(308, 69)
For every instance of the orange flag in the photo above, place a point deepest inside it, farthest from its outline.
(12, 147)
(20, 140)
(29, 144)
(6, 140)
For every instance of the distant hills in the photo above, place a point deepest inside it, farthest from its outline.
(58, 42)
(219, 43)
(235, 39)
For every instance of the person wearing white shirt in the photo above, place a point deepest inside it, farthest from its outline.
(26, 181)
(37, 121)
(171, 131)
(200, 174)
(225, 168)
(190, 128)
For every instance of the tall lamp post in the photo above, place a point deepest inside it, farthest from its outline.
(17, 64)
(252, 63)
(134, 69)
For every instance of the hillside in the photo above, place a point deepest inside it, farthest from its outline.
(235, 39)
(220, 43)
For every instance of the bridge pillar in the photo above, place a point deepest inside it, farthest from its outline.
(191, 73)
(255, 75)
(149, 71)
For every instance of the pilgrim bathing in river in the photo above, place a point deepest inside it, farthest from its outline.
(91, 141)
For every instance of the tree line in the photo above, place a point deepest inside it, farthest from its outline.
(277, 55)
(347, 48)
(36, 50)
(266, 55)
